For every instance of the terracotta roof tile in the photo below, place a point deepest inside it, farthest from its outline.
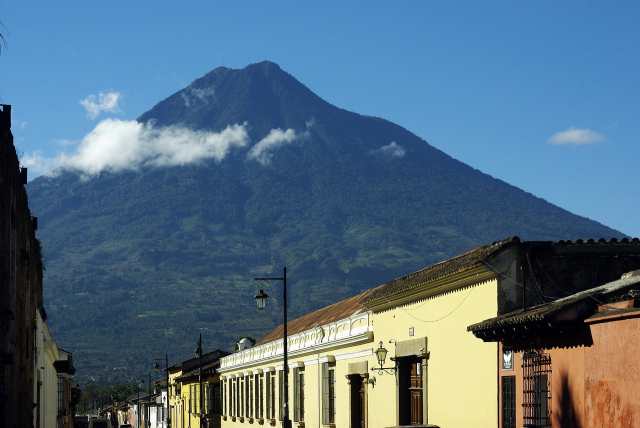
(447, 267)
(334, 312)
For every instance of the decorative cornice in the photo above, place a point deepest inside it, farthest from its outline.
(447, 284)
(327, 359)
(347, 331)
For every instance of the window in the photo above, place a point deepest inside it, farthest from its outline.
(248, 382)
(328, 393)
(234, 397)
(281, 394)
(536, 394)
(223, 396)
(508, 402)
(61, 409)
(298, 394)
(271, 395)
(242, 397)
(258, 380)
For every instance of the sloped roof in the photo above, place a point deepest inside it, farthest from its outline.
(359, 302)
(342, 309)
(552, 311)
(468, 260)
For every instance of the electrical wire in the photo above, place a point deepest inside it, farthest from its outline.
(444, 316)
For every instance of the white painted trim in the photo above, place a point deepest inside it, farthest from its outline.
(311, 362)
(363, 338)
(347, 331)
(296, 365)
(357, 354)
(327, 359)
(269, 369)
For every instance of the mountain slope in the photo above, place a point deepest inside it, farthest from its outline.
(139, 261)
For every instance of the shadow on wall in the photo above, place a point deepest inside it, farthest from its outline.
(568, 414)
(605, 407)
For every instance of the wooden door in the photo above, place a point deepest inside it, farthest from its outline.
(415, 393)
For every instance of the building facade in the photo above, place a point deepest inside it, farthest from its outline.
(31, 364)
(194, 392)
(20, 286)
(572, 362)
(435, 371)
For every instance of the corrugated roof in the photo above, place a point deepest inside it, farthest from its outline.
(548, 311)
(342, 309)
(414, 280)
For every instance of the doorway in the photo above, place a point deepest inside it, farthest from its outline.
(411, 394)
(357, 398)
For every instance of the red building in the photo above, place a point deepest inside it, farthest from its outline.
(571, 362)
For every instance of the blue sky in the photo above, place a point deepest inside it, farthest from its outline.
(489, 83)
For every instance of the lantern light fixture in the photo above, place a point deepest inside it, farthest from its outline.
(261, 299)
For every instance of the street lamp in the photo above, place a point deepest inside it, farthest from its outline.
(261, 302)
(261, 299)
(381, 355)
(198, 354)
(139, 385)
(157, 366)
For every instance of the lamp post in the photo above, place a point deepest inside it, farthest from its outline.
(166, 368)
(139, 386)
(261, 302)
(199, 355)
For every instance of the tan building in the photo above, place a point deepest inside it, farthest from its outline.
(435, 371)
(572, 362)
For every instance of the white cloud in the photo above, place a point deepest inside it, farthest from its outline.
(104, 102)
(576, 136)
(117, 145)
(193, 95)
(392, 150)
(263, 150)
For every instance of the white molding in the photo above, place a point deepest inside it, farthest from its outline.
(327, 359)
(296, 365)
(357, 354)
(311, 362)
(343, 332)
(269, 369)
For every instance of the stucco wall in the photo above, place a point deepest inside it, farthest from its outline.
(462, 381)
(597, 385)
(462, 385)
(612, 375)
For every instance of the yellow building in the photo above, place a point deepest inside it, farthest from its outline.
(434, 371)
(187, 404)
(53, 369)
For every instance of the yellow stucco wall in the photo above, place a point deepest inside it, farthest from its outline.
(313, 381)
(461, 372)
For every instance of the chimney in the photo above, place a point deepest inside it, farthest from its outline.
(5, 116)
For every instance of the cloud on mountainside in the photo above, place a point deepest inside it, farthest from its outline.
(117, 145)
(103, 102)
(392, 150)
(263, 150)
(193, 95)
(576, 137)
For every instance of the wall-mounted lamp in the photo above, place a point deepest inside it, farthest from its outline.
(381, 355)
